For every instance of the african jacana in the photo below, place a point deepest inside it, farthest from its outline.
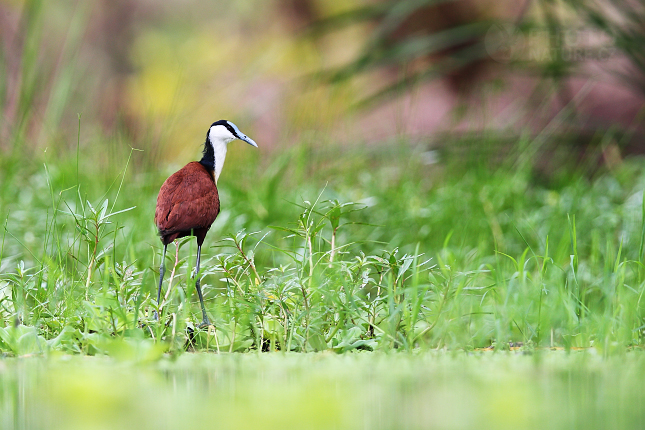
(188, 201)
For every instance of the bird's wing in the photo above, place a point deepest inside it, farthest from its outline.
(187, 200)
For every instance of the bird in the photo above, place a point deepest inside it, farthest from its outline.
(188, 201)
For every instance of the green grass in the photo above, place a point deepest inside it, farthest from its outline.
(457, 255)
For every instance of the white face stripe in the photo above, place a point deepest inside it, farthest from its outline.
(219, 133)
(219, 136)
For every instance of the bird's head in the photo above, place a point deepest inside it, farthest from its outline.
(223, 132)
(219, 135)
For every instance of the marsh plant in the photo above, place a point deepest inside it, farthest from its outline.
(482, 259)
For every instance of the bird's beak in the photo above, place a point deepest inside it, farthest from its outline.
(248, 140)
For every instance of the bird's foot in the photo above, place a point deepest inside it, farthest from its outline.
(155, 315)
(205, 324)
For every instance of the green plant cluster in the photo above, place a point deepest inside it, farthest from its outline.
(391, 254)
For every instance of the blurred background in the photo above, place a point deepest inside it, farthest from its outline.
(440, 73)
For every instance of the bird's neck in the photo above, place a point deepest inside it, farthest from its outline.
(214, 156)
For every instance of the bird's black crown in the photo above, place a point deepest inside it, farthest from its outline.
(226, 124)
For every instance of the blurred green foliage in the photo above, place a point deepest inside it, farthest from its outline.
(319, 391)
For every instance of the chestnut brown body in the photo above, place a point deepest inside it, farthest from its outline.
(187, 204)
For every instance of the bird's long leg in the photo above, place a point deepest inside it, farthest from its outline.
(162, 270)
(205, 322)
(172, 273)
